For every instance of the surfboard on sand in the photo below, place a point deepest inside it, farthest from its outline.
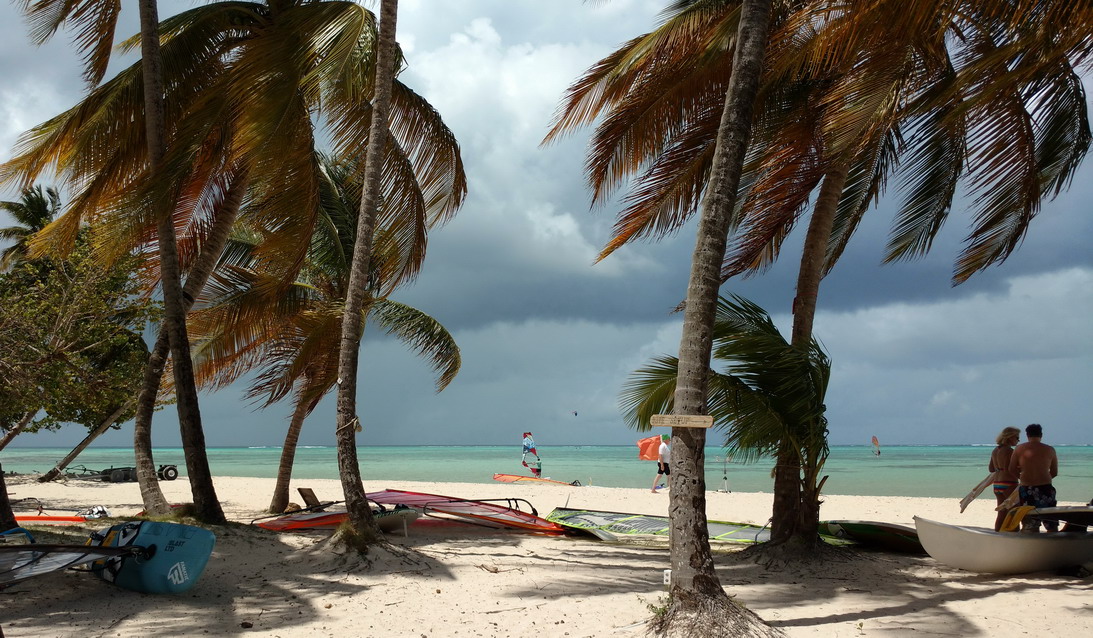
(976, 491)
(886, 536)
(610, 526)
(516, 478)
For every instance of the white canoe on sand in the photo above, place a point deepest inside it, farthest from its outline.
(986, 551)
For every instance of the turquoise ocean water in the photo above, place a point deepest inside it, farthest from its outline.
(937, 471)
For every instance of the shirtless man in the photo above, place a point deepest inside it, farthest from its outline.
(1035, 464)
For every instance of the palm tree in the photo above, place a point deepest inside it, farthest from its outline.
(243, 92)
(291, 336)
(34, 210)
(920, 106)
(698, 604)
(848, 90)
(360, 528)
(95, 25)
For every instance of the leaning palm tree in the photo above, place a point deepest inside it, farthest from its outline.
(850, 89)
(95, 23)
(34, 210)
(698, 604)
(360, 525)
(248, 323)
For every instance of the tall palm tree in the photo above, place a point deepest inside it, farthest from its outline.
(34, 210)
(245, 79)
(935, 100)
(95, 23)
(360, 526)
(247, 322)
(697, 603)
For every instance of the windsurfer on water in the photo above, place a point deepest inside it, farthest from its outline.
(529, 446)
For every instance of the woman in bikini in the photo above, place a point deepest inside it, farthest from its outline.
(1004, 482)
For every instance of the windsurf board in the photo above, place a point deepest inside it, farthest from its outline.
(175, 556)
(887, 536)
(612, 525)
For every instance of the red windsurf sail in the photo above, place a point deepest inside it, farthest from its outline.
(649, 449)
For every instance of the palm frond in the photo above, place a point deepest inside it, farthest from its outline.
(425, 335)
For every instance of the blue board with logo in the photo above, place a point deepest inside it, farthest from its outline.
(173, 556)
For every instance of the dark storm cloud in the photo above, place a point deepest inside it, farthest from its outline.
(545, 331)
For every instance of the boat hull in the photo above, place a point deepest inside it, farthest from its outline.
(985, 551)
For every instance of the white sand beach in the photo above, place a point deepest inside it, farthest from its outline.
(460, 580)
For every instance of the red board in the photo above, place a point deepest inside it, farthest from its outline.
(50, 520)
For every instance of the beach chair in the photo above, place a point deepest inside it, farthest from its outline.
(312, 502)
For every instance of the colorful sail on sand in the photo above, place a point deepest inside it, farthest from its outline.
(513, 478)
(484, 512)
(529, 448)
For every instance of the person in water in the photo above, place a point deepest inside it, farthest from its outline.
(1035, 465)
(663, 459)
(1004, 482)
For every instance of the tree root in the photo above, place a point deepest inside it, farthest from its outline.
(695, 616)
(794, 555)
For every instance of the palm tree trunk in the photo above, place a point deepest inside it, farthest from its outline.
(14, 431)
(199, 273)
(288, 455)
(698, 605)
(7, 517)
(360, 518)
(790, 523)
(94, 434)
(206, 504)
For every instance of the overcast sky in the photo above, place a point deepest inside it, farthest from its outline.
(545, 333)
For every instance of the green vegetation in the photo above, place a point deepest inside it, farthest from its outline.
(71, 349)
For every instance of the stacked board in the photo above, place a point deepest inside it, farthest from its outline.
(612, 525)
(1081, 515)
(886, 536)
